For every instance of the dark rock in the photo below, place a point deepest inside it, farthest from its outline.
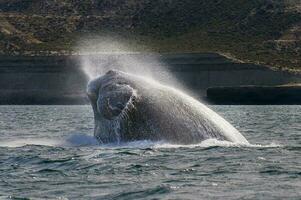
(289, 94)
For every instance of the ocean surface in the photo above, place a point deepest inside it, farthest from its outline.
(48, 152)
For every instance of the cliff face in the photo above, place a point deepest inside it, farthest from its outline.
(263, 31)
(61, 80)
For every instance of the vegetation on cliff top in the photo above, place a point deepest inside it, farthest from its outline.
(259, 31)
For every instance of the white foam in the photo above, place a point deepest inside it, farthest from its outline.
(215, 143)
(142, 144)
(74, 140)
(29, 141)
(83, 140)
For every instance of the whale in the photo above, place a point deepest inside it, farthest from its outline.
(129, 107)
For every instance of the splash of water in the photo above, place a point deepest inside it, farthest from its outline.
(83, 140)
(113, 55)
(73, 140)
(110, 54)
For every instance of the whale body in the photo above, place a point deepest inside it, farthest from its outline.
(128, 107)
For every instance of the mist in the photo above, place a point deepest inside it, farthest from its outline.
(104, 53)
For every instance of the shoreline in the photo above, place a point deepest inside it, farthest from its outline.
(43, 80)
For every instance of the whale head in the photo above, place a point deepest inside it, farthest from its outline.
(112, 98)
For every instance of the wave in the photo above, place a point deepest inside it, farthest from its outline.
(204, 144)
(84, 140)
(28, 141)
(74, 140)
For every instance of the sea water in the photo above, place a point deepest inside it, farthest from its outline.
(48, 152)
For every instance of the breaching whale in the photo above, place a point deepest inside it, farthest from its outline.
(128, 107)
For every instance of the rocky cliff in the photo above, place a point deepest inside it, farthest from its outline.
(260, 31)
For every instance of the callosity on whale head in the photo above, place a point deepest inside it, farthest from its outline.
(129, 107)
(112, 101)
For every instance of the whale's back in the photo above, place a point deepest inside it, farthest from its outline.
(180, 118)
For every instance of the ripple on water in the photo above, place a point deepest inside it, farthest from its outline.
(51, 159)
